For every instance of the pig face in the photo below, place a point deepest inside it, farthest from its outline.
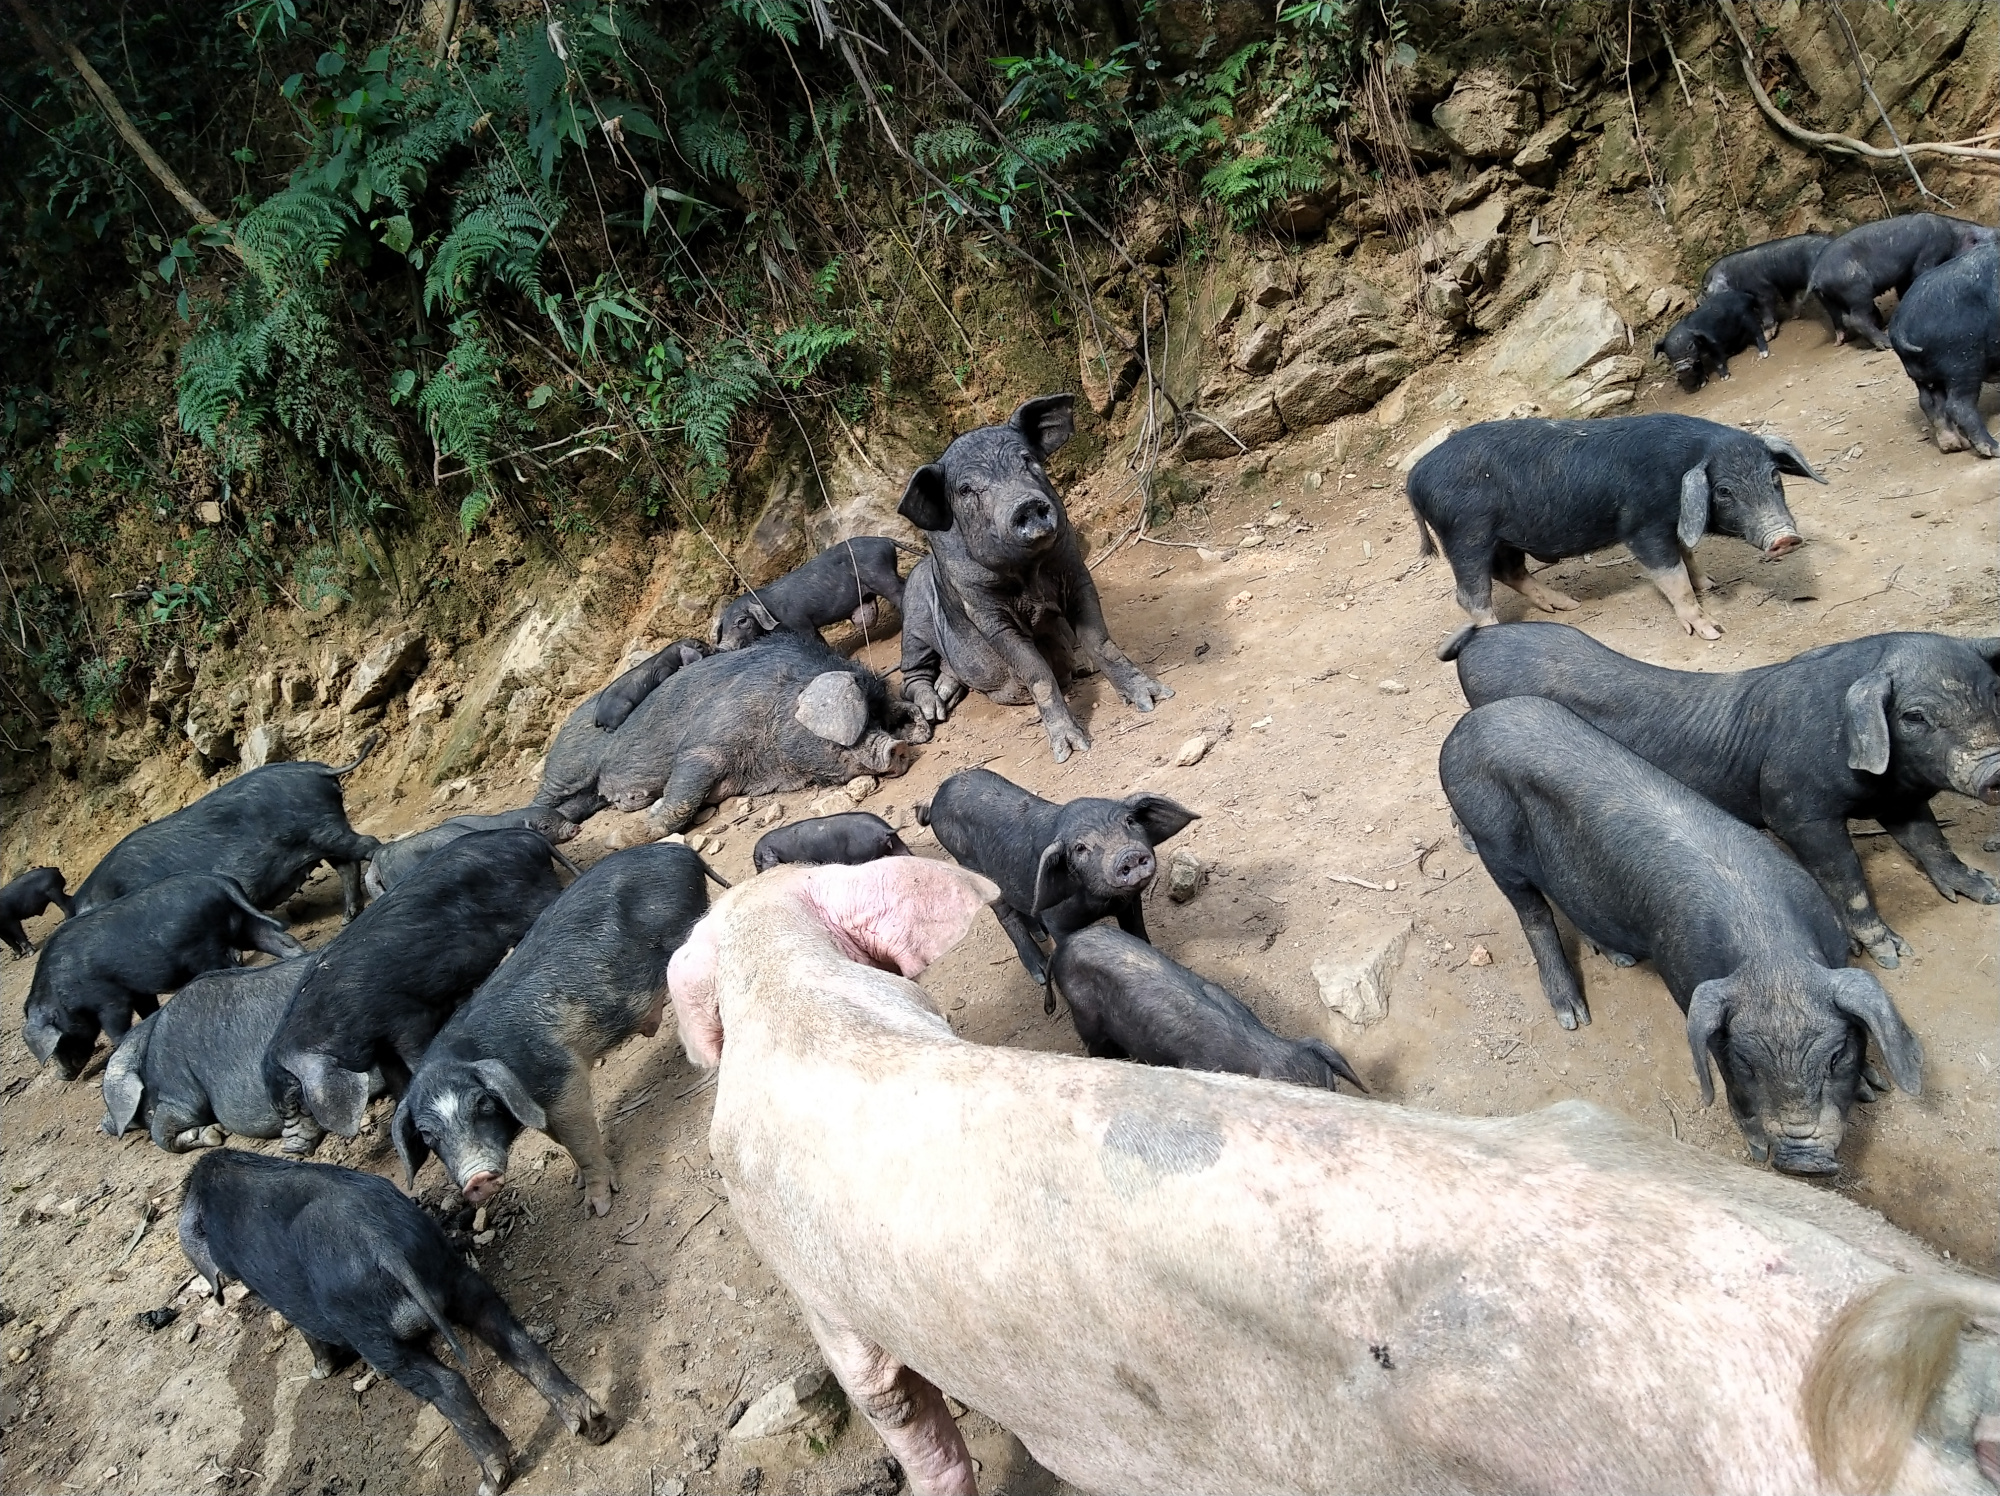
(1737, 490)
(469, 1115)
(992, 487)
(1687, 349)
(744, 622)
(1103, 849)
(1791, 1043)
(1937, 720)
(553, 825)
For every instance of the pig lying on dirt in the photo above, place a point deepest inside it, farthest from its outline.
(100, 969)
(1501, 491)
(359, 1271)
(268, 829)
(1130, 1001)
(1750, 948)
(1947, 333)
(1869, 729)
(843, 581)
(26, 897)
(1059, 867)
(1183, 1281)
(393, 861)
(591, 973)
(852, 837)
(616, 701)
(1004, 598)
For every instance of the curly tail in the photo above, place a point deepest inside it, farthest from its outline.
(923, 812)
(367, 747)
(1877, 1369)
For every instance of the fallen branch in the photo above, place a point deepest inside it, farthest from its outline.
(1389, 887)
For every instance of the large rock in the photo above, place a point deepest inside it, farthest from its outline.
(264, 744)
(1602, 388)
(1253, 419)
(212, 734)
(810, 1403)
(1309, 394)
(1544, 152)
(172, 683)
(1487, 117)
(1259, 338)
(384, 669)
(1358, 989)
(1569, 327)
(1357, 320)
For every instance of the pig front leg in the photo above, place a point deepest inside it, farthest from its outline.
(1065, 734)
(694, 777)
(1538, 922)
(572, 1118)
(1920, 835)
(1139, 689)
(906, 1411)
(1827, 852)
(1678, 589)
(1018, 930)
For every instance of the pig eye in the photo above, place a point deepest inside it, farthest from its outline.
(1915, 718)
(485, 1106)
(1082, 849)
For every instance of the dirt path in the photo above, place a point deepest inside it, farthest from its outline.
(1315, 648)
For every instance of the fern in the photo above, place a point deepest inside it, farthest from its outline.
(461, 408)
(714, 389)
(500, 233)
(295, 231)
(803, 349)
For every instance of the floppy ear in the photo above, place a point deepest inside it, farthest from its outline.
(505, 1084)
(1707, 1011)
(1789, 458)
(1046, 421)
(897, 913)
(1659, 347)
(1859, 995)
(1693, 523)
(1704, 340)
(1159, 817)
(123, 1092)
(833, 707)
(1868, 723)
(410, 1145)
(763, 616)
(691, 651)
(925, 503)
(691, 980)
(337, 1098)
(41, 1039)
(1055, 879)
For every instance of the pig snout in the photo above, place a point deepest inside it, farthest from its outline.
(881, 754)
(1784, 540)
(1133, 867)
(1981, 778)
(1034, 520)
(483, 1186)
(1791, 1156)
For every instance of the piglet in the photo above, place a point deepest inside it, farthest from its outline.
(843, 581)
(851, 838)
(393, 861)
(1130, 1002)
(360, 1271)
(26, 897)
(1059, 867)
(1709, 336)
(615, 702)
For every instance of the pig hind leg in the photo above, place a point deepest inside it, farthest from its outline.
(906, 1411)
(1962, 424)
(687, 789)
(1510, 565)
(1472, 566)
(476, 1305)
(417, 1371)
(328, 1358)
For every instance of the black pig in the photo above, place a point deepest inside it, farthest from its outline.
(1059, 867)
(1004, 598)
(852, 838)
(1130, 1002)
(394, 860)
(1886, 256)
(1751, 949)
(592, 972)
(268, 829)
(26, 897)
(1775, 274)
(570, 767)
(1710, 335)
(1947, 333)
(1502, 491)
(358, 1270)
(842, 581)
(380, 991)
(1867, 729)
(615, 702)
(100, 968)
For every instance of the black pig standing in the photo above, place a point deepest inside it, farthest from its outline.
(1864, 262)
(1709, 336)
(842, 581)
(1947, 333)
(1777, 275)
(850, 838)
(358, 1270)
(1750, 948)
(26, 897)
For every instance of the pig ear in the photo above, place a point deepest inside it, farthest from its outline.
(410, 1145)
(1159, 817)
(337, 1098)
(1055, 879)
(1693, 522)
(763, 616)
(1789, 458)
(897, 913)
(1859, 995)
(1659, 347)
(1046, 421)
(41, 1039)
(691, 651)
(833, 707)
(123, 1091)
(1987, 650)
(926, 504)
(1708, 1009)
(1868, 723)
(691, 981)
(505, 1084)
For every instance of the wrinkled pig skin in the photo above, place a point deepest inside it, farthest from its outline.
(1004, 599)
(615, 702)
(591, 973)
(727, 726)
(1706, 339)
(382, 988)
(1131, 1002)
(268, 829)
(394, 860)
(362, 1273)
(1499, 492)
(1776, 275)
(1868, 729)
(1750, 947)
(569, 768)
(851, 837)
(1946, 331)
(842, 581)
(1059, 867)
(1204, 1282)
(1890, 255)
(26, 897)
(101, 968)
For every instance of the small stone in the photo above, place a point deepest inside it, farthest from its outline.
(541, 1332)
(860, 787)
(1191, 753)
(810, 1401)
(1358, 990)
(1239, 602)
(1261, 722)
(363, 1382)
(1253, 538)
(1314, 480)
(208, 512)
(1209, 556)
(1480, 957)
(235, 1294)
(1185, 875)
(16, 1354)
(479, 1219)
(276, 1321)
(1394, 688)
(483, 1238)
(1424, 448)
(193, 1329)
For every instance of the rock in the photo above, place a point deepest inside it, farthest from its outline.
(1474, 191)
(1667, 301)
(172, 683)
(1544, 152)
(1252, 417)
(1190, 753)
(1359, 990)
(383, 669)
(264, 744)
(810, 1402)
(1394, 688)
(1388, 414)
(1429, 444)
(1604, 386)
(264, 695)
(1185, 874)
(212, 735)
(861, 786)
(1480, 957)
(1258, 345)
(1153, 233)
(208, 512)
(1357, 321)
(1486, 117)
(1309, 394)
(833, 707)
(296, 688)
(1272, 283)
(1569, 327)
(1620, 165)
(1527, 273)
(1301, 215)
(1250, 541)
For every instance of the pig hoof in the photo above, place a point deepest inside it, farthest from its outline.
(587, 1420)
(496, 1472)
(1887, 949)
(1064, 741)
(1620, 959)
(1707, 629)
(1570, 1012)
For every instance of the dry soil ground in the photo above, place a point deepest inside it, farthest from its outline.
(664, 1312)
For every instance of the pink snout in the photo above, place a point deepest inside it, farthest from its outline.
(483, 1186)
(1787, 541)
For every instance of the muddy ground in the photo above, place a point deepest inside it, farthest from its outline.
(1315, 649)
